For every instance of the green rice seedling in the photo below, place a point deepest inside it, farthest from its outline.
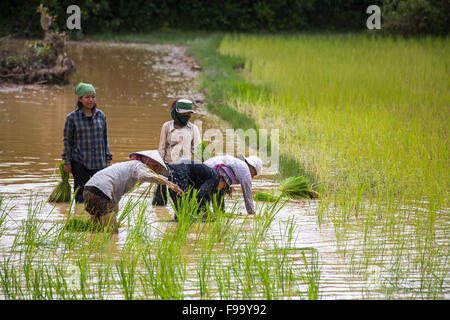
(266, 197)
(60, 283)
(33, 231)
(268, 282)
(223, 279)
(4, 213)
(312, 272)
(291, 188)
(222, 224)
(188, 207)
(104, 279)
(137, 228)
(264, 218)
(62, 192)
(79, 225)
(11, 286)
(203, 273)
(126, 270)
(297, 188)
(165, 270)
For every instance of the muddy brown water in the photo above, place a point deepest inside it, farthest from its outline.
(135, 86)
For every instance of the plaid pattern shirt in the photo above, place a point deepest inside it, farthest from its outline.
(86, 139)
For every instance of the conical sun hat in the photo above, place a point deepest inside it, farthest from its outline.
(152, 154)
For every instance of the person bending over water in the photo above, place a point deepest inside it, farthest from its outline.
(194, 174)
(104, 190)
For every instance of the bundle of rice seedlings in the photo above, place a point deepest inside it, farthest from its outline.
(62, 191)
(266, 197)
(295, 187)
(292, 187)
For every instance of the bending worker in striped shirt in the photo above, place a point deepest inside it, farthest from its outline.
(241, 171)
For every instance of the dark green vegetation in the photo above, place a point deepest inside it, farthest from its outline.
(40, 61)
(405, 16)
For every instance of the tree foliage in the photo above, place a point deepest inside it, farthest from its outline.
(416, 16)
(407, 16)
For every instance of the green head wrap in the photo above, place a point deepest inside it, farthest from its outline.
(180, 111)
(84, 88)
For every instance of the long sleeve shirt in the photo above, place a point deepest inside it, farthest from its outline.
(86, 139)
(195, 174)
(242, 177)
(177, 144)
(116, 180)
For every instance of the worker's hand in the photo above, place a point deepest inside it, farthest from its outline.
(67, 168)
(177, 189)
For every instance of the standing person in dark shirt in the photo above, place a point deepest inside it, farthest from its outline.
(86, 147)
(194, 174)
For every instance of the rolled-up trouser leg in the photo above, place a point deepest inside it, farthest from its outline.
(102, 211)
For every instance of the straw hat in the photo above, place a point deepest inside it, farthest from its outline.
(152, 154)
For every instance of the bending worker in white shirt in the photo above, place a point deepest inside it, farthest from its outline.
(242, 171)
(104, 190)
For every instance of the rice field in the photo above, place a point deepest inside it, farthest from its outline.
(227, 257)
(369, 116)
(366, 116)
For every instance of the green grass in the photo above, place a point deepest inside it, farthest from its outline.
(221, 79)
(359, 112)
(368, 116)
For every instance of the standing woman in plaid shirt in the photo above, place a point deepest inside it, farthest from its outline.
(86, 147)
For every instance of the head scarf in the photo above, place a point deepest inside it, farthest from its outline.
(225, 172)
(181, 119)
(83, 89)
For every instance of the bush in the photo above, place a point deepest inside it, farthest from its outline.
(19, 17)
(415, 16)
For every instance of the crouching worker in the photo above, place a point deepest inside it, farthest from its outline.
(104, 190)
(193, 174)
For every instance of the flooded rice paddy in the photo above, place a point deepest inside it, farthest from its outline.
(287, 254)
